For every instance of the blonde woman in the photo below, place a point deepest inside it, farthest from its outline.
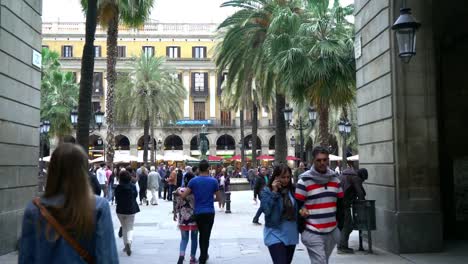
(68, 198)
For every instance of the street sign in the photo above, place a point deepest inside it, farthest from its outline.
(36, 59)
(357, 47)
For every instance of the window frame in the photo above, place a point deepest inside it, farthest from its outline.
(194, 52)
(64, 47)
(198, 114)
(168, 52)
(153, 50)
(99, 53)
(124, 51)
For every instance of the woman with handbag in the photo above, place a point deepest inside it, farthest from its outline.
(281, 233)
(183, 213)
(68, 224)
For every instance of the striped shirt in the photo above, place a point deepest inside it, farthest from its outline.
(320, 201)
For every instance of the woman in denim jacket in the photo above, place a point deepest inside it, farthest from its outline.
(280, 234)
(69, 199)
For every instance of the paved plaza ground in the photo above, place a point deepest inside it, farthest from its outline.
(236, 240)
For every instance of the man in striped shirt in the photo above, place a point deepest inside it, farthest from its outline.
(317, 191)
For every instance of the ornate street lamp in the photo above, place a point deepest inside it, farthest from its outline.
(405, 27)
(98, 119)
(74, 117)
(301, 126)
(44, 129)
(344, 127)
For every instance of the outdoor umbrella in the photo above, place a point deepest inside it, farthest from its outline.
(292, 158)
(214, 158)
(238, 158)
(265, 157)
(335, 158)
(353, 158)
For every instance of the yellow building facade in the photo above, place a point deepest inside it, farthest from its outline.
(189, 49)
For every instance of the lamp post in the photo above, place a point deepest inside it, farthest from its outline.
(405, 27)
(301, 125)
(344, 127)
(43, 131)
(98, 119)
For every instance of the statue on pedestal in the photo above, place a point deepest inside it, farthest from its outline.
(203, 142)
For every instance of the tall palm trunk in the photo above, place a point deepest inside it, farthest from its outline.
(281, 141)
(324, 135)
(146, 140)
(254, 133)
(242, 127)
(86, 82)
(112, 32)
(153, 147)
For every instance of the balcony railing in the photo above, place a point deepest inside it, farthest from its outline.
(199, 93)
(151, 28)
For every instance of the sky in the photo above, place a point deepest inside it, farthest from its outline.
(169, 11)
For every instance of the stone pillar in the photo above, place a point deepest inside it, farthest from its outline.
(212, 87)
(186, 82)
(397, 129)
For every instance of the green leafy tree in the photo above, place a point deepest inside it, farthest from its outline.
(242, 52)
(59, 95)
(149, 91)
(313, 51)
(111, 13)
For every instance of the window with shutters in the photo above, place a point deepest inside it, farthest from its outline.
(96, 106)
(67, 51)
(199, 52)
(221, 79)
(97, 84)
(199, 84)
(173, 52)
(97, 51)
(121, 51)
(148, 50)
(199, 110)
(226, 118)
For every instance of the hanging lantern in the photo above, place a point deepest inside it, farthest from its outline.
(405, 27)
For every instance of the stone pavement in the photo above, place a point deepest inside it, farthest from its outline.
(235, 240)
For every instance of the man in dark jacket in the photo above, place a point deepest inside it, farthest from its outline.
(94, 182)
(353, 190)
(260, 182)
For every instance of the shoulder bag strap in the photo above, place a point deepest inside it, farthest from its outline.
(61, 230)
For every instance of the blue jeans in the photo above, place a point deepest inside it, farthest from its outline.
(184, 242)
(257, 215)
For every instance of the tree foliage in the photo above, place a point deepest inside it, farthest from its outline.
(59, 94)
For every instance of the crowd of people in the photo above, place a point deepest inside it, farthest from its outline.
(311, 203)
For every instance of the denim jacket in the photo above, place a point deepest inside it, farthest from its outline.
(272, 207)
(35, 248)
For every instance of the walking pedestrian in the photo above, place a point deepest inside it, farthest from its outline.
(353, 190)
(143, 184)
(280, 234)
(101, 176)
(183, 213)
(127, 207)
(171, 182)
(113, 182)
(260, 182)
(318, 190)
(82, 229)
(153, 184)
(95, 186)
(162, 175)
(203, 188)
(221, 177)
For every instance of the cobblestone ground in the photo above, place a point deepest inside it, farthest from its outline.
(234, 240)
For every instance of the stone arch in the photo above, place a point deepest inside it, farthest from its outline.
(141, 142)
(122, 142)
(225, 142)
(173, 142)
(271, 143)
(69, 139)
(247, 144)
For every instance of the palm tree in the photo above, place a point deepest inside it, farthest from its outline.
(243, 52)
(86, 81)
(59, 95)
(150, 89)
(313, 51)
(110, 14)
